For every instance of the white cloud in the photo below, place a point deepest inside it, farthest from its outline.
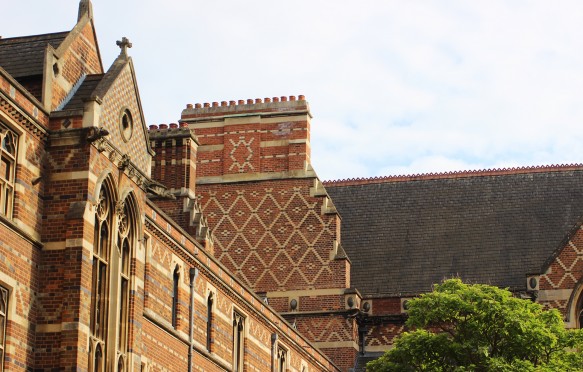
(395, 86)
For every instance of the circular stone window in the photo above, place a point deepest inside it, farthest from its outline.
(126, 125)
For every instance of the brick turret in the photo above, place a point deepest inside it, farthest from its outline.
(174, 166)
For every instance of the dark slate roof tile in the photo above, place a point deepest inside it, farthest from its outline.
(402, 237)
(24, 56)
(84, 92)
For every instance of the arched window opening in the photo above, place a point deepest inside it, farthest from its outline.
(99, 297)
(281, 359)
(3, 321)
(209, 322)
(579, 311)
(126, 238)
(120, 364)
(175, 287)
(238, 341)
(98, 359)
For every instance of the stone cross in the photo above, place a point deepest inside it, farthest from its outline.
(124, 44)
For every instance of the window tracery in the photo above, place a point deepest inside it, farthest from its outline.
(114, 239)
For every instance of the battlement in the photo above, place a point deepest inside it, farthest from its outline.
(251, 140)
(170, 131)
(261, 106)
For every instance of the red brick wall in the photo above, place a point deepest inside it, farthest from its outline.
(79, 59)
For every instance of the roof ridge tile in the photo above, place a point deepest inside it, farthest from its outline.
(453, 174)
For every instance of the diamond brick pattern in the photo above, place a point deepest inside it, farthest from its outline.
(272, 234)
(566, 270)
(120, 96)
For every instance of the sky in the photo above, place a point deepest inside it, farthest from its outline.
(394, 87)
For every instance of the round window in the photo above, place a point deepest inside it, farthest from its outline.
(126, 125)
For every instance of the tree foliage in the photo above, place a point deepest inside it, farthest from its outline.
(462, 327)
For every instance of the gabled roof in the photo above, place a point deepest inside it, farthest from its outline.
(404, 234)
(24, 56)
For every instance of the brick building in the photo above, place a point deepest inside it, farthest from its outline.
(95, 274)
(211, 244)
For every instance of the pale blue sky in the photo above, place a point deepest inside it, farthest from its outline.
(395, 87)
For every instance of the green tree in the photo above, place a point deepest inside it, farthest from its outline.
(462, 327)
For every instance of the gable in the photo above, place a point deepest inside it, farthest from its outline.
(118, 90)
(76, 57)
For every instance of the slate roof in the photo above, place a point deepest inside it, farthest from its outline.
(24, 56)
(404, 234)
(84, 92)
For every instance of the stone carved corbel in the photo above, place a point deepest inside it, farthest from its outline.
(96, 133)
(159, 190)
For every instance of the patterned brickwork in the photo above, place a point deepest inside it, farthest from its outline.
(383, 335)
(160, 262)
(566, 270)
(122, 95)
(80, 58)
(18, 260)
(563, 274)
(270, 138)
(273, 234)
(326, 328)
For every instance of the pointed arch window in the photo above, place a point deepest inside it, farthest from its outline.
(8, 152)
(126, 238)
(3, 321)
(100, 280)
(281, 359)
(238, 341)
(112, 253)
(209, 321)
(175, 288)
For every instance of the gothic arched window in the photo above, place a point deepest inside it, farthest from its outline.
(110, 291)
(209, 321)
(175, 287)
(126, 238)
(100, 281)
(238, 341)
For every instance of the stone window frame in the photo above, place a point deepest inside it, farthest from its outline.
(126, 244)
(115, 239)
(9, 139)
(209, 321)
(175, 295)
(126, 124)
(238, 340)
(100, 281)
(4, 302)
(282, 358)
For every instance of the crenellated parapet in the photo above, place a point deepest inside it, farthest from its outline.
(241, 106)
(251, 139)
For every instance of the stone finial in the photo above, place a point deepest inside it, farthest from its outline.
(124, 44)
(85, 7)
